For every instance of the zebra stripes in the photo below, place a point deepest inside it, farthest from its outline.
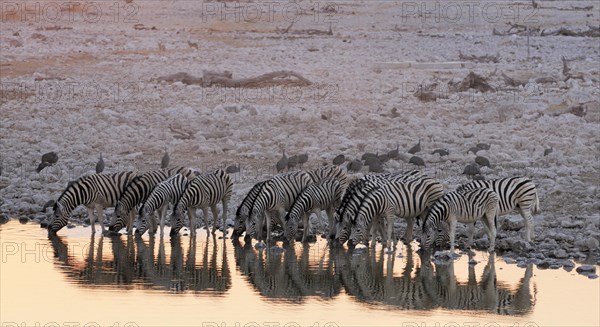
(275, 198)
(203, 192)
(406, 199)
(323, 195)
(329, 171)
(138, 191)
(165, 193)
(96, 191)
(466, 206)
(346, 212)
(516, 193)
(243, 211)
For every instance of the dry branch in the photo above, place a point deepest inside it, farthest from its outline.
(591, 32)
(472, 81)
(485, 58)
(225, 79)
(512, 82)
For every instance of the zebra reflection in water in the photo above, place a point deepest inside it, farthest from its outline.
(135, 264)
(301, 272)
(290, 275)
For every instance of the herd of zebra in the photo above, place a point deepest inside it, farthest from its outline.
(357, 208)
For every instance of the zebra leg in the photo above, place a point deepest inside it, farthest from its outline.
(490, 221)
(215, 214)
(528, 219)
(452, 233)
(163, 218)
(306, 224)
(92, 219)
(471, 232)
(205, 217)
(153, 225)
(331, 222)
(390, 229)
(408, 234)
(224, 218)
(130, 222)
(267, 220)
(192, 218)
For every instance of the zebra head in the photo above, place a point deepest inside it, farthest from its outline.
(240, 223)
(434, 234)
(145, 216)
(177, 220)
(359, 231)
(343, 229)
(59, 219)
(119, 218)
(291, 227)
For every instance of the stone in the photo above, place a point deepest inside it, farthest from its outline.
(560, 254)
(572, 224)
(23, 220)
(512, 223)
(4, 219)
(586, 269)
(592, 276)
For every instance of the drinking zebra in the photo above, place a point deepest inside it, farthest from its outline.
(346, 212)
(96, 191)
(243, 211)
(275, 198)
(466, 206)
(165, 193)
(323, 195)
(516, 193)
(138, 191)
(406, 199)
(203, 192)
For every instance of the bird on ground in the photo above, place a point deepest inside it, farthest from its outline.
(355, 165)
(292, 162)
(471, 170)
(48, 159)
(339, 159)
(164, 163)
(302, 159)
(376, 168)
(232, 169)
(548, 151)
(372, 161)
(416, 148)
(417, 161)
(367, 155)
(482, 161)
(384, 157)
(441, 152)
(100, 165)
(282, 163)
(394, 154)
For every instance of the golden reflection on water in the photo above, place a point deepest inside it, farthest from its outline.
(155, 281)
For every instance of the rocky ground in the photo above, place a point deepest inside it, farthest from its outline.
(383, 74)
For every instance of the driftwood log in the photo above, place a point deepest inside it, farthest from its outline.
(225, 79)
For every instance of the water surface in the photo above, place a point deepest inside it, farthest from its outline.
(76, 278)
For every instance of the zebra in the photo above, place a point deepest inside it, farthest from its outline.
(138, 191)
(516, 193)
(97, 191)
(203, 192)
(329, 171)
(275, 198)
(323, 195)
(355, 192)
(464, 206)
(407, 199)
(243, 211)
(162, 195)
